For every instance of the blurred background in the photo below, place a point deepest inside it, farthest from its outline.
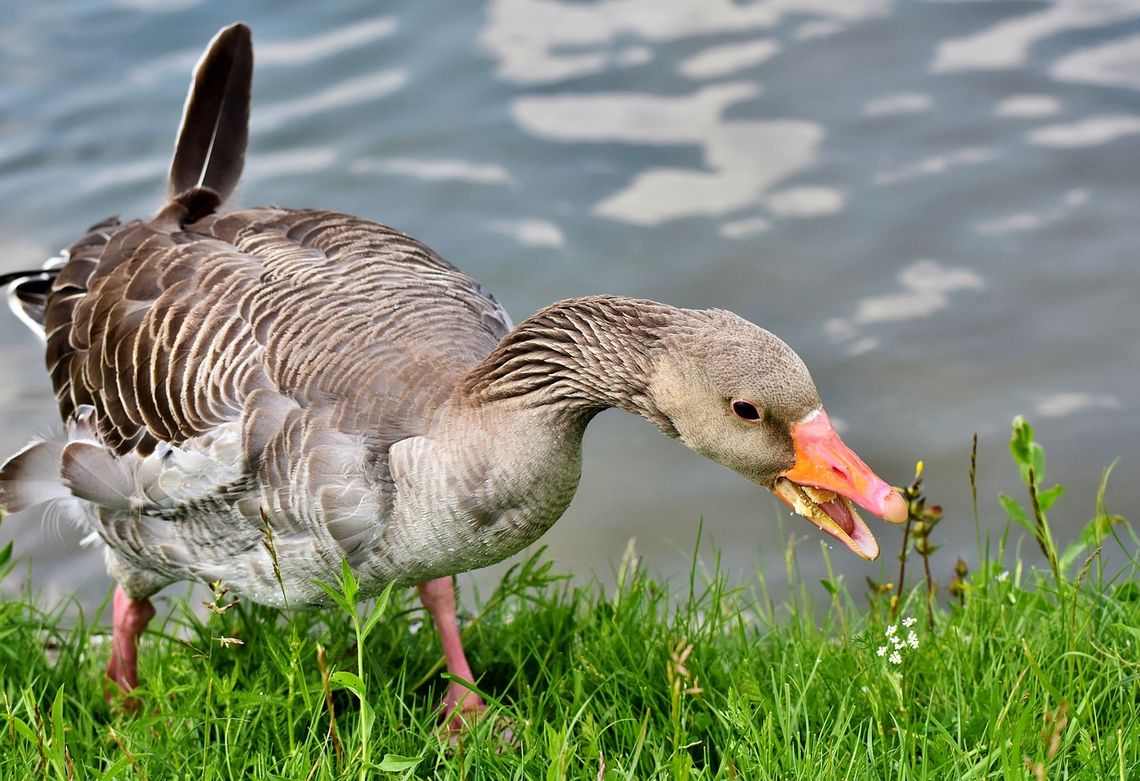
(935, 203)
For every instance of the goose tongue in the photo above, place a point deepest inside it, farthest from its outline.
(826, 477)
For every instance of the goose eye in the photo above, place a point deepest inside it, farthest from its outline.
(745, 410)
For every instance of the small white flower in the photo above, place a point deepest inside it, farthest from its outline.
(882, 650)
(892, 629)
(895, 657)
(897, 642)
(909, 621)
(912, 639)
(1003, 576)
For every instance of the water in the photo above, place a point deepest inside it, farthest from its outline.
(934, 203)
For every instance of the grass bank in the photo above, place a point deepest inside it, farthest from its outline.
(1010, 672)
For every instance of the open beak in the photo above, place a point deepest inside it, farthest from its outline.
(827, 477)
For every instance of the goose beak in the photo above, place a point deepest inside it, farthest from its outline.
(827, 477)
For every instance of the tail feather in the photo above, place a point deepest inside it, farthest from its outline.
(28, 294)
(35, 474)
(215, 121)
(32, 477)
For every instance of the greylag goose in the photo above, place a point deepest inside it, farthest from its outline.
(340, 383)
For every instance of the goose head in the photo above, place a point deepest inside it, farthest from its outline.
(740, 396)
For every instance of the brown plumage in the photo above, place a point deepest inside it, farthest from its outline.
(339, 381)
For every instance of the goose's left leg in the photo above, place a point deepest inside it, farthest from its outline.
(130, 618)
(460, 705)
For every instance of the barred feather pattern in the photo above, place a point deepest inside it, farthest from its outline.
(583, 355)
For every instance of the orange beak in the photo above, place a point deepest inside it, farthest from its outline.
(826, 477)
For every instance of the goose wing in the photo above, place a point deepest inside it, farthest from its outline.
(168, 333)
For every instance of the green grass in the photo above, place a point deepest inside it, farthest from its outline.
(1026, 674)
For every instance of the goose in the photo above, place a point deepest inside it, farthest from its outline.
(335, 386)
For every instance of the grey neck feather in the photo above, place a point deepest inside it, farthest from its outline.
(580, 356)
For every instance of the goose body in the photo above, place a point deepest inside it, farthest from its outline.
(333, 387)
(289, 362)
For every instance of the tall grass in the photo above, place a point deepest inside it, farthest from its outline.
(1026, 674)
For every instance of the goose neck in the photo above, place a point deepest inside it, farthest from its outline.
(578, 357)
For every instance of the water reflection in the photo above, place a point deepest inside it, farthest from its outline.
(1059, 405)
(1093, 131)
(934, 165)
(741, 159)
(303, 52)
(924, 288)
(290, 162)
(434, 170)
(543, 41)
(1028, 221)
(531, 233)
(1027, 107)
(1007, 44)
(725, 60)
(898, 103)
(345, 94)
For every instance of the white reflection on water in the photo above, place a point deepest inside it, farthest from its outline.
(1059, 405)
(437, 170)
(1020, 222)
(531, 233)
(898, 103)
(1116, 63)
(740, 229)
(103, 177)
(805, 202)
(159, 6)
(743, 159)
(352, 92)
(1007, 44)
(925, 285)
(1092, 131)
(631, 117)
(289, 162)
(1027, 107)
(819, 29)
(926, 288)
(724, 60)
(542, 41)
(1017, 222)
(935, 164)
(304, 51)
(746, 158)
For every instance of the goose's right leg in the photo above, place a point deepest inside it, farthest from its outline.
(461, 706)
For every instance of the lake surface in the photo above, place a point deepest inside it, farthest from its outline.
(936, 203)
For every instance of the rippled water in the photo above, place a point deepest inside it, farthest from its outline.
(935, 203)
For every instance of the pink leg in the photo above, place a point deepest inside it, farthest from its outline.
(459, 704)
(130, 619)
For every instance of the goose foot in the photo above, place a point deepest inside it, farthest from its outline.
(130, 618)
(462, 709)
